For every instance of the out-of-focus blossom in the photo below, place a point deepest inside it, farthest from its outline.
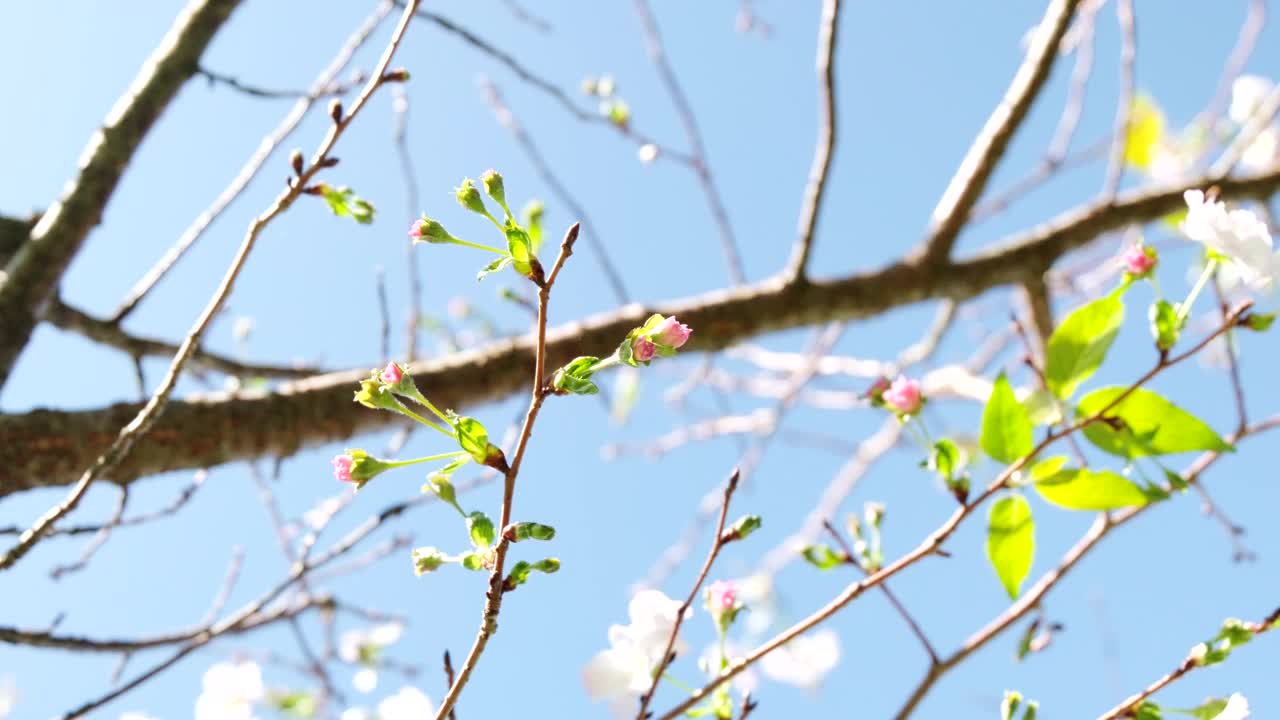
(230, 691)
(804, 661)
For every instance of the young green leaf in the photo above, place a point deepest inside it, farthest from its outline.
(493, 267)
(1164, 324)
(822, 557)
(1080, 343)
(1150, 425)
(1077, 489)
(1006, 428)
(1011, 541)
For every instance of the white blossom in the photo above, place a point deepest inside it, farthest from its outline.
(804, 661)
(648, 153)
(365, 680)
(1261, 153)
(624, 671)
(1247, 94)
(408, 704)
(229, 692)
(8, 696)
(1239, 236)
(356, 646)
(1237, 709)
(356, 713)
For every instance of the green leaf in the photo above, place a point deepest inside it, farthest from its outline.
(1176, 481)
(822, 557)
(1080, 343)
(1259, 322)
(744, 526)
(1151, 425)
(531, 531)
(473, 438)
(1006, 428)
(493, 267)
(1009, 705)
(1164, 324)
(472, 561)
(1147, 711)
(297, 704)
(575, 377)
(1077, 489)
(1208, 710)
(481, 530)
(1011, 541)
(945, 459)
(531, 216)
(343, 202)
(521, 570)
(1042, 408)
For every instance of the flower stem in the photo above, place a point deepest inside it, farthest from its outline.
(429, 458)
(478, 246)
(1185, 308)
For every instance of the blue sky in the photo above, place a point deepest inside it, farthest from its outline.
(916, 82)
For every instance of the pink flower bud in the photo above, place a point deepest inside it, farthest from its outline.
(671, 332)
(875, 393)
(722, 595)
(342, 467)
(1139, 259)
(392, 374)
(415, 230)
(904, 395)
(643, 349)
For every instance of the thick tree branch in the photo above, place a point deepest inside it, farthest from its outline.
(47, 447)
(31, 276)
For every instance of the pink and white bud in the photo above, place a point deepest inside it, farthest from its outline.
(672, 333)
(643, 349)
(342, 467)
(904, 395)
(722, 595)
(1139, 259)
(392, 374)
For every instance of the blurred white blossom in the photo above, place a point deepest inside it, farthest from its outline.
(1247, 94)
(624, 671)
(1237, 709)
(8, 695)
(804, 661)
(408, 704)
(229, 692)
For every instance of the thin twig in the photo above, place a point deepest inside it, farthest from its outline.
(217, 78)
(539, 393)
(255, 163)
(448, 676)
(823, 153)
(540, 165)
(1124, 109)
(1187, 665)
(719, 541)
(400, 105)
(697, 150)
(98, 540)
(851, 559)
(966, 186)
(933, 542)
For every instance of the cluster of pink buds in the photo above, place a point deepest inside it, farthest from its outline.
(1139, 260)
(662, 337)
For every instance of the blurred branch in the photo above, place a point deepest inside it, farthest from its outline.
(826, 144)
(1124, 107)
(30, 278)
(697, 150)
(331, 90)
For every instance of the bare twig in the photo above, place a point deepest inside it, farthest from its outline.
(98, 540)
(697, 150)
(251, 167)
(217, 78)
(966, 186)
(409, 177)
(1124, 109)
(717, 544)
(508, 120)
(823, 153)
(1187, 665)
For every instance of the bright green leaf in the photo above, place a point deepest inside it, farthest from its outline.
(1006, 428)
(493, 267)
(1151, 425)
(1080, 343)
(1011, 541)
(822, 557)
(1145, 131)
(1077, 489)
(1164, 324)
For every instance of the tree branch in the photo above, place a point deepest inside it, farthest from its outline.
(31, 276)
(45, 447)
